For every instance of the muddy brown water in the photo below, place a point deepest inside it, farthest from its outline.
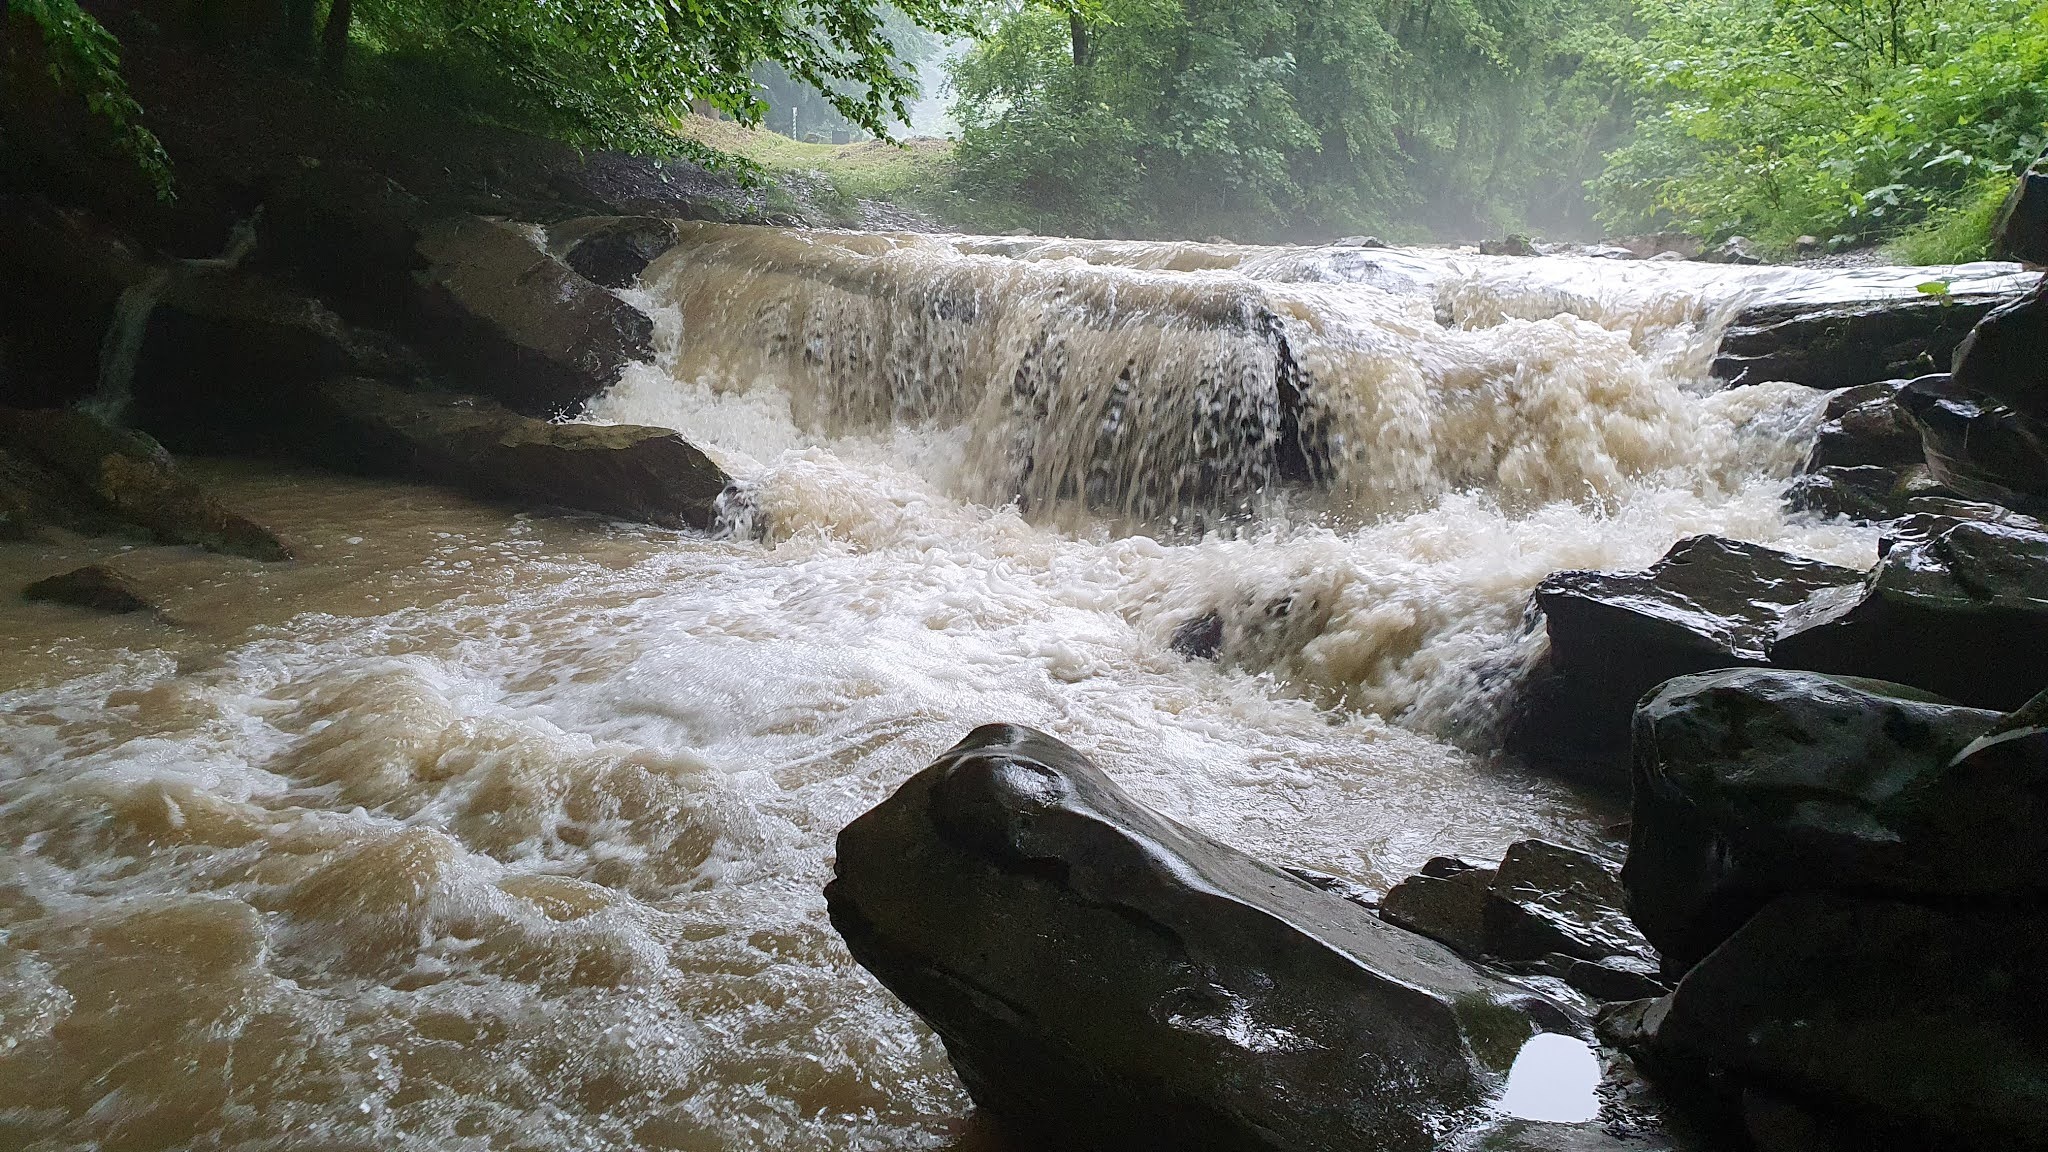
(477, 829)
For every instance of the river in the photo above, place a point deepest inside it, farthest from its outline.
(475, 829)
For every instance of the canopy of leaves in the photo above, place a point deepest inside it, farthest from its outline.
(1831, 117)
(83, 57)
(1272, 118)
(612, 71)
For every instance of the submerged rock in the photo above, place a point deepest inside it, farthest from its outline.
(1908, 1026)
(517, 324)
(614, 251)
(1843, 345)
(130, 477)
(1200, 638)
(636, 473)
(1964, 615)
(1754, 782)
(1708, 603)
(95, 586)
(1105, 977)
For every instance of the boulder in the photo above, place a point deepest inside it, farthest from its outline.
(614, 250)
(1708, 603)
(1547, 899)
(518, 325)
(1753, 782)
(2001, 357)
(1840, 345)
(651, 475)
(96, 586)
(1511, 245)
(1979, 450)
(1446, 902)
(1870, 492)
(1865, 425)
(1200, 638)
(131, 478)
(1909, 1026)
(2021, 232)
(1963, 614)
(32, 496)
(1104, 977)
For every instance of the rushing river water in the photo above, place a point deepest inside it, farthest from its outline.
(481, 830)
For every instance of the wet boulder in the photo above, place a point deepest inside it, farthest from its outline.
(1754, 782)
(651, 475)
(518, 325)
(2021, 232)
(1980, 450)
(131, 478)
(1963, 614)
(1513, 244)
(1104, 977)
(1845, 344)
(1549, 899)
(1200, 638)
(1733, 250)
(1869, 492)
(1865, 425)
(99, 587)
(1905, 1026)
(1708, 603)
(1446, 902)
(614, 251)
(2001, 357)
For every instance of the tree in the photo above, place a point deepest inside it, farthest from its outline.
(83, 57)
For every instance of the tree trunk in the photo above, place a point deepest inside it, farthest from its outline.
(334, 38)
(1084, 51)
(297, 30)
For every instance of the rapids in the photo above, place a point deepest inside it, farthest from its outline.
(481, 830)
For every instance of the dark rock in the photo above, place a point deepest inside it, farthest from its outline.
(1513, 245)
(1709, 603)
(132, 478)
(1615, 979)
(56, 302)
(1979, 450)
(2001, 357)
(1927, 517)
(1753, 782)
(613, 251)
(1963, 615)
(2021, 232)
(348, 231)
(32, 496)
(1102, 976)
(1450, 909)
(95, 586)
(1549, 899)
(518, 325)
(1359, 242)
(1200, 638)
(1842, 345)
(637, 473)
(1733, 250)
(1864, 492)
(1865, 425)
(1916, 1027)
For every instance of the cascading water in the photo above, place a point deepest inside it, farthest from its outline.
(481, 830)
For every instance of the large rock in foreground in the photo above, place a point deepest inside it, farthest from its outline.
(1708, 603)
(1108, 978)
(648, 474)
(517, 324)
(1909, 1027)
(1963, 614)
(1980, 450)
(1754, 782)
(2021, 232)
(2001, 358)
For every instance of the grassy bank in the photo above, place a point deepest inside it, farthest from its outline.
(915, 175)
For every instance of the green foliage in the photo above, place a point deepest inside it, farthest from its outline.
(613, 72)
(1956, 233)
(1854, 118)
(1267, 118)
(85, 58)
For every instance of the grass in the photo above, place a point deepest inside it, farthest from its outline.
(916, 172)
(1958, 233)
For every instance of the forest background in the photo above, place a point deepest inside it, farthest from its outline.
(1848, 122)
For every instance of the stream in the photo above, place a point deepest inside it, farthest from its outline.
(480, 829)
